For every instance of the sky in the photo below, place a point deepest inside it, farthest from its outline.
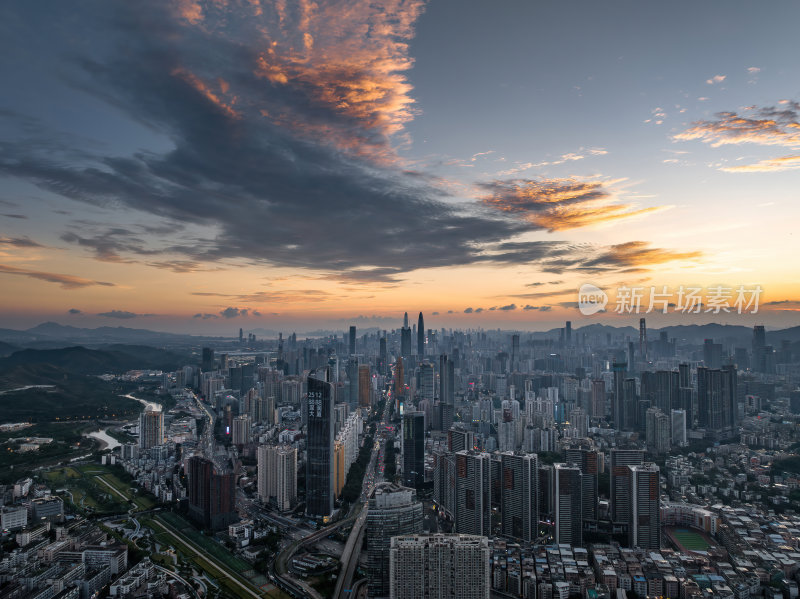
(200, 166)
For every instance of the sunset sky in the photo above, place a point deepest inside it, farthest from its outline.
(198, 166)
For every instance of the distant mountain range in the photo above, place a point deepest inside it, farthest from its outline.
(53, 335)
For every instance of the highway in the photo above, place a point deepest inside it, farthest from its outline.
(352, 549)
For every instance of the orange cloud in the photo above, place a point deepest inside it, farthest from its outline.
(560, 204)
(639, 254)
(206, 91)
(343, 59)
(768, 126)
(784, 163)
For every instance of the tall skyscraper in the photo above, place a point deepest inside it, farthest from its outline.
(598, 398)
(151, 428)
(352, 381)
(759, 341)
(678, 424)
(621, 482)
(427, 378)
(277, 475)
(352, 345)
(405, 338)
(473, 493)
(393, 511)
(319, 446)
(568, 504)
(420, 336)
(212, 493)
(657, 431)
(712, 354)
(383, 356)
(414, 449)
(364, 386)
(515, 353)
(447, 380)
(207, 364)
(588, 462)
(519, 495)
(717, 404)
(643, 339)
(242, 430)
(644, 526)
(568, 333)
(437, 566)
(618, 407)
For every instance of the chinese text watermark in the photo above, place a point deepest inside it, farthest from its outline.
(715, 299)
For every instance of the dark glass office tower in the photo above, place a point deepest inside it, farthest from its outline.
(405, 338)
(420, 336)
(568, 504)
(447, 380)
(319, 446)
(519, 495)
(352, 347)
(207, 364)
(621, 482)
(414, 449)
(587, 461)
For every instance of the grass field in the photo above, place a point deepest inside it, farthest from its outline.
(98, 488)
(690, 540)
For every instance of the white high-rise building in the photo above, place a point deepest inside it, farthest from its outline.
(439, 565)
(151, 428)
(678, 418)
(277, 475)
(242, 430)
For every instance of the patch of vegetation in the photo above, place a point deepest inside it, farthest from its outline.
(15, 464)
(790, 464)
(115, 359)
(71, 397)
(355, 476)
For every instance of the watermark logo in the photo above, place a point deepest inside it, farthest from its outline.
(591, 299)
(685, 299)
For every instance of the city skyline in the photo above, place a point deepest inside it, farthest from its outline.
(204, 166)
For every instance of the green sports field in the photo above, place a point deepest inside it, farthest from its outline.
(690, 540)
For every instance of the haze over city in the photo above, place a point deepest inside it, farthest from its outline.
(199, 166)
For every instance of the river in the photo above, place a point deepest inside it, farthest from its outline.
(109, 442)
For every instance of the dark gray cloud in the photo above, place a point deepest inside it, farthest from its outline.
(261, 160)
(121, 314)
(269, 194)
(545, 308)
(528, 307)
(66, 281)
(74, 311)
(468, 311)
(19, 242)
(508, 307)
(205, 316)
(19, 216)
(231, 312)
